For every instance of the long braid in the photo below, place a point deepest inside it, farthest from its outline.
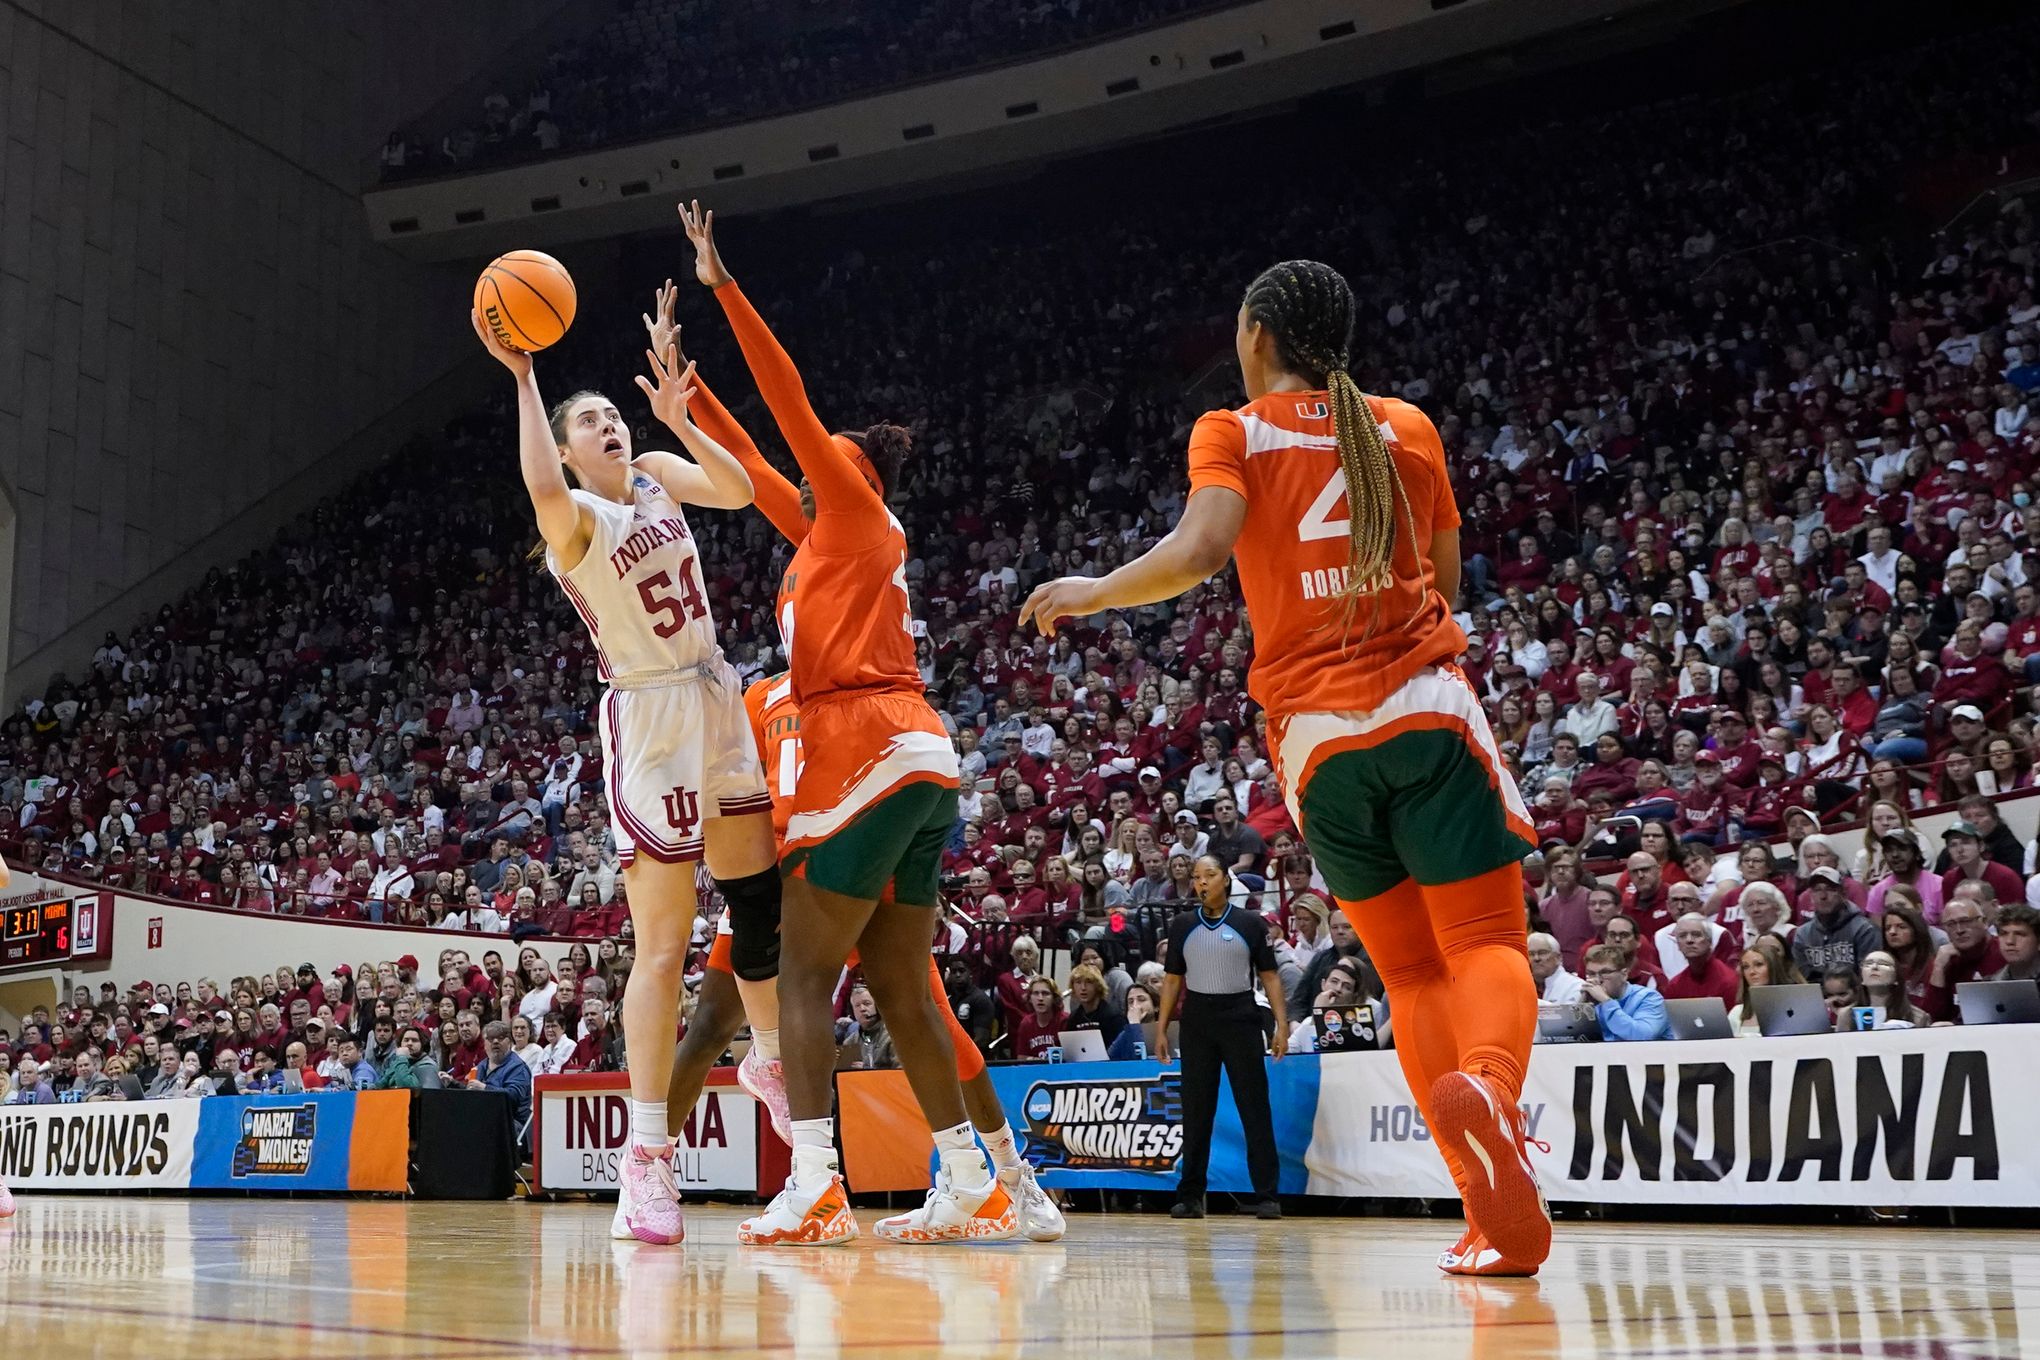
(1309, 309)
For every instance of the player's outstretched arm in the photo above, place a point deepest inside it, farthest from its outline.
(1196, 548)
(561, 522)
(715, 478)
(839, 488)
(776, 498)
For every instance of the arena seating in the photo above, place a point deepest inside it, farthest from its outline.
(666, 66)
(1680, 435)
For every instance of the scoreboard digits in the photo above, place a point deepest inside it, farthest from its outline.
(33, 934)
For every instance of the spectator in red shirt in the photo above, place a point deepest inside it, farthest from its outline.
(1043, 1022)
(1558, 817)
(1709, 804)
(1010, 987)
(469, 1050)
(1706, 972)
(1969, 675)
(1528, 570)
(1965, 843)
(1971, 952)
(1734, 747)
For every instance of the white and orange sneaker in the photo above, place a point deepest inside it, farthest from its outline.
(1475, 1257)
(6, 1201)
(1484, 1130)
(1040, 1220)
(1449, 1257)
(813, 1216)
(766, 1083)
(648, 1202)
(955, 1213)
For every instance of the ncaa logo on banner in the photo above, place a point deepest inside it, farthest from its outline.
(1122, 1124)
(275, 1140)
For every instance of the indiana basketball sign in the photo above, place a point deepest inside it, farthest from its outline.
(583, 1127)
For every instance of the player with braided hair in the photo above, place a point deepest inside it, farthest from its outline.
(1337, 508)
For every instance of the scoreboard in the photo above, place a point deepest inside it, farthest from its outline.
(36, 933)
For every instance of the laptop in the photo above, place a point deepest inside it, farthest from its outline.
(1082, 1045)
(1699, 1017)
(1344, 1029)
(1796, 1008)
(1567, 1022)
(1999, 1003)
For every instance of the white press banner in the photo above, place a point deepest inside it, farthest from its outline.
(1895, 1117)
(101, 1145)
(583, 1127)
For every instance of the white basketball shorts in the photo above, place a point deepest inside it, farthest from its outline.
(677, 750)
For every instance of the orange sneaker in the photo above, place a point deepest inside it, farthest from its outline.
(955, 1213)
(1485, 1131)
(797, 1217)
(1479, 1258)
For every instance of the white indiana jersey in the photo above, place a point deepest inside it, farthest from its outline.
(638, 588)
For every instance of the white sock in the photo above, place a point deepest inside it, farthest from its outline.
(766, 1042)
(814, 1150)
(1000, 1143)
(960, 1155)
(648, 1124)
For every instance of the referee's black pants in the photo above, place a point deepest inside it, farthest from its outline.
(1225, 1031)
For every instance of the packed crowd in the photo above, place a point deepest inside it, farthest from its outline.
(1748, 527)
(659, 67)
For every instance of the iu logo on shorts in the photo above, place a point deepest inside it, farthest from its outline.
(683, 810)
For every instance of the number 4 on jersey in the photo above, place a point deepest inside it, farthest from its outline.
(1317, 521)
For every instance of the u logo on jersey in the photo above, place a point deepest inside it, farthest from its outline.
(1312, 410)
(683, 810)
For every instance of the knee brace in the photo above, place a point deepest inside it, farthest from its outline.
(754, 924)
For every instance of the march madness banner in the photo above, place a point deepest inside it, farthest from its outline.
(582, 1126)
(317, 1140)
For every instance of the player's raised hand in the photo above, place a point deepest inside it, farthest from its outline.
(700, 225)
(1066, 597)
(670, 387)
(659, 323)
(516, 360)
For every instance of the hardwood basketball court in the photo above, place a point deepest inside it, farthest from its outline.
(243, 1278)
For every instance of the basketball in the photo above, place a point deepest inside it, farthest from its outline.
(527, 299)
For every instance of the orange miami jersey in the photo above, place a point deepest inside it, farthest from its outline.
(775, 722)
(1312, 651)
(848, 627)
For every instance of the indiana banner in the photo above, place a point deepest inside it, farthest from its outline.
(1901, 1117)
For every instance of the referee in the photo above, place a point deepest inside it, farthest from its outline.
(1215, 952)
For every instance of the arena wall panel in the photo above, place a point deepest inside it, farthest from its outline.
(191, 316)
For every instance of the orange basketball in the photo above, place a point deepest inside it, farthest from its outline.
(527, 299)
